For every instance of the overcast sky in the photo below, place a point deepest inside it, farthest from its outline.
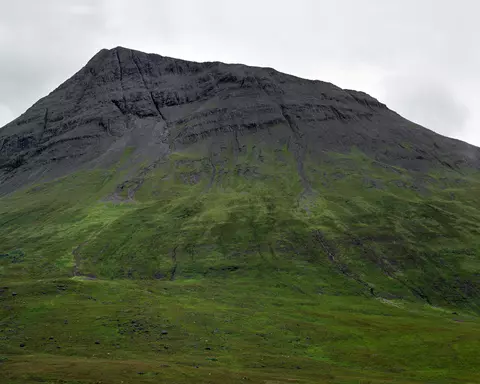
(420, 57)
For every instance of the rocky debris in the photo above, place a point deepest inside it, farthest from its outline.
(157, 105)
(368, 182)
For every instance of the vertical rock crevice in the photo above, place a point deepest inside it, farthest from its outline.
(299, 149)
(147, 87)
(45, 122)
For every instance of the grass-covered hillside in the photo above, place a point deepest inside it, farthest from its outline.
(246, 270)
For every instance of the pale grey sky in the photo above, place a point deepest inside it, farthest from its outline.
(420, 57)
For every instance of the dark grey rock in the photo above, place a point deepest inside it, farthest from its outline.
(157, 105)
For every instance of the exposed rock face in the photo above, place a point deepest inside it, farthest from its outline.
(124, 98)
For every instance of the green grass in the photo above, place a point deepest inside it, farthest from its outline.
(287, 330)
(371, 277)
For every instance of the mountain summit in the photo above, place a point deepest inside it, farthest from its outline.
(159, 105)
(170, 221)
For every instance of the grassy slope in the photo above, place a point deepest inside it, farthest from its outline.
(245, 278)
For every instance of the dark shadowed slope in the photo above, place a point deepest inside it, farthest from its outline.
(125, 98)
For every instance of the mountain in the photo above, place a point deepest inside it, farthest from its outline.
(162, 219)
(159, 106)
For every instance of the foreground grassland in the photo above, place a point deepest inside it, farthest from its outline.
(193, 273)
(233, 329)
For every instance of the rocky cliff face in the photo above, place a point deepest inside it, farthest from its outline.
(157, 105)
